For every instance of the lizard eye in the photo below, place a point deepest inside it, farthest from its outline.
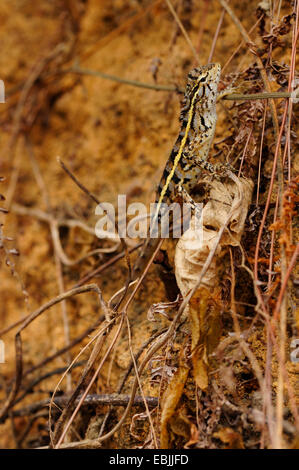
(203, 79)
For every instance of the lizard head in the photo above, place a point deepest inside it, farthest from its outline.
(205, 77)
(202, 83)
(204, 74)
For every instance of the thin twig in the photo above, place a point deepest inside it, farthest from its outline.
(139, 383)
(18, 342)
(128, 371)
(61, 351)
(104, 266)
(95, 199)
(258, 96)
(90, 400)
(253, 360)
(181, 26)
(125, 81)
(285, 281)
(229, 97)
(98, 339)
(92, 380)
(216, 36)
(29, 388)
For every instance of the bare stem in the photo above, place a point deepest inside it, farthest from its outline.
(153, 86)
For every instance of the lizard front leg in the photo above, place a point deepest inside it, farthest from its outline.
(185, 196)
(217, 170)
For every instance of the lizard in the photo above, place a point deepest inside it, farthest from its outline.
(189, 155)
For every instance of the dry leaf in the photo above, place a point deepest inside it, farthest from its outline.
(190, 256)
(170, 401)
(227, 200)
(230, 437)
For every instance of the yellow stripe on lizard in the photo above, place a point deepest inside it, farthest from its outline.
(178, 156)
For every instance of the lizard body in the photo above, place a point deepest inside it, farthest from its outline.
(189, 155)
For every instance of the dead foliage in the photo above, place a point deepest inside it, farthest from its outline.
(90, 360)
